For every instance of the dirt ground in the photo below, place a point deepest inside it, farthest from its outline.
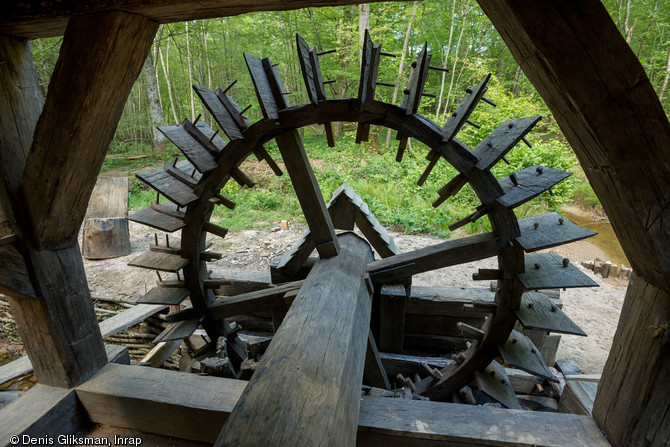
(595, 310)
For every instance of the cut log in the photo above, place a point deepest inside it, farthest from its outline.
(106, 238)
(109, 198)
(306, 389)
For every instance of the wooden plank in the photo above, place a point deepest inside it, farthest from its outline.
(109, 198)
(220, 113)
(164, 295)
(578, 397)
(409, 365)
(194, 407)
(264, 93)
(77, 125)
(160, 180)
(179, 330)
(44, 410)
(531, 182)
(158, 220)
(520, 352)
(128, 318)
(538, 311)
(448, 253)
(22, 366)
(465, 108)
(250, 302)
(494, 382)
(308, 192)
(417, 81)
(186, 406)
(307, 68)
(292, 260)
(547, 271)
(156, 260)
(549, 230)
(160, 353)
(306, 388)
(392, 304)
(196, 154)
(374, 371)
(459, 302)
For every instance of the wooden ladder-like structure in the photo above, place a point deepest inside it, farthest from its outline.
(321, 376)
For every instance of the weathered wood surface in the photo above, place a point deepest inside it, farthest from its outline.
(14, 275)
(306, 389)
(34, 19)
(156, 260)
(128, 318)
(218, 110)
(187, 406)
(392, 303)
(168, 186)
(549, 230)
(196, 154)
(310, 197)
(106, 238)
(164, 295)
(448, 253)
(72, 134)
(44, 410)
(374, 372)
(450, 301)
(465, 108)
(490, 151)
(538, 311)
(530, 183)
(179, 330)
(494, 382)
(22, 366)
(547, 271)
(408, 365)
(160, 353)
(270, 104)
(159, 220)
(194, 407)
(578, 397)
(242, 281)
(260, 300)
(402, 422)
(520, 352)
(417, 81)
(291, 261)
(109, 198)
(307, 68)
(632, 399)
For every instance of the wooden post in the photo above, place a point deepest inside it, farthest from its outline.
(306, 389)
(48, 187)
(610, 114)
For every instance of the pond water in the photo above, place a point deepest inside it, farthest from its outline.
(606, 240)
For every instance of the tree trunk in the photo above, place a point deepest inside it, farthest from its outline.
(661, 93)
(166, 73)
(155, 111)
(190, 71)
(363, 24)
(402, 64)
(446, 60)
(464, 14)
(516, 86)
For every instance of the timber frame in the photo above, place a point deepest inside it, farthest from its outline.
(51, 154)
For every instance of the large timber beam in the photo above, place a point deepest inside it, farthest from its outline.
(603, 101)
(36, 18)
(195, 407)
(47, 187)
(306, 389)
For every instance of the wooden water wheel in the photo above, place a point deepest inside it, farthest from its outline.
(193, 186)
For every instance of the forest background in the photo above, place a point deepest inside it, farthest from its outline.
(459, 37)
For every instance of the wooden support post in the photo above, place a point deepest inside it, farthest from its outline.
(309, 194)
(393, 299)
(598, 92)
(101, 56)
(306, 389)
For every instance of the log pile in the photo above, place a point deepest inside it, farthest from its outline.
(607, 269)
